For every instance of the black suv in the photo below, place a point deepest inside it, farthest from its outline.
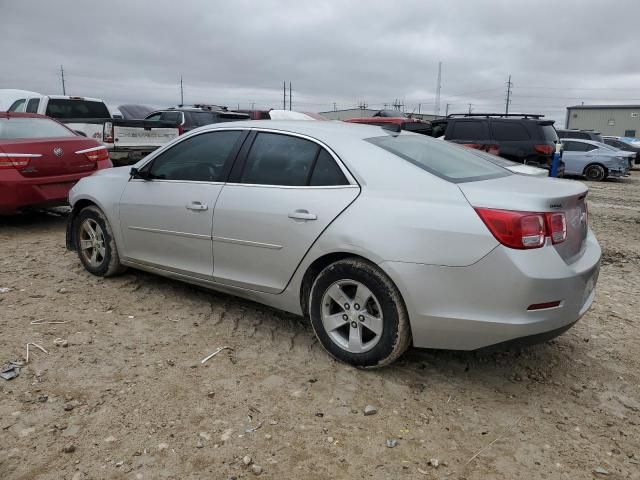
(580, 134)
(522, 138)
(190, 117)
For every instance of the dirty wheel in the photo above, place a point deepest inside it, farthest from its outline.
(95, 244)
(595, 173)
(358, 314)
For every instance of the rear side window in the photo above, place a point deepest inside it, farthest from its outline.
(327, 172)
(570, 146)
(509, 131)
(451, 162)
(549, 133)
(469, 130)
(32, 128)
(32, 105)
(276, 159)
(175, 117)
(68, 108)
(199, 119)
(201, 158)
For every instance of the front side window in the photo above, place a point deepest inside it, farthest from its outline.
(25, 127)
(201, 158)
(18, 105)
(443, 159)
(276, 159)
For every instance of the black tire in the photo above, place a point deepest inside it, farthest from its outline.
(108, 264)
(395, 337)
(595, 173)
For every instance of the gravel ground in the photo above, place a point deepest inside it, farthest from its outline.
(127, 397)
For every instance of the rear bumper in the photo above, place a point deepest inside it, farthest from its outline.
(129, 156)
(466, 308)
(18, 192)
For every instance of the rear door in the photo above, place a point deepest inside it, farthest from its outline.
(470, 132)
(576, 156)
(285, 190)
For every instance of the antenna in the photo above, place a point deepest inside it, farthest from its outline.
(438, 87)
(509, 85)
(64, 90)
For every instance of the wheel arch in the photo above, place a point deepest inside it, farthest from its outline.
(78, 206)
(320, 263)
(592, 164)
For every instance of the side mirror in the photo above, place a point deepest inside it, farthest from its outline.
(135, 173)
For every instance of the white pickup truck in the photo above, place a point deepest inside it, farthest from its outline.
(127, 140)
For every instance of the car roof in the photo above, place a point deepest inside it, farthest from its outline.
(74, 97)
(22, 115)
(581, 140)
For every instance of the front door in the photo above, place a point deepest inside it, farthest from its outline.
(286, 191)
(166, 220)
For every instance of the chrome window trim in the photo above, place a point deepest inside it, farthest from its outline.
(21, 155)
(190, 182)
(297, 187)
(92, 149)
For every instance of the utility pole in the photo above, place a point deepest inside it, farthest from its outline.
(284, 95)
(446, 111)
(290, 97)
(335, 107)
(419, 105)
(509, 85)
(438, 87)
(181, 92)
(470, 108)
(64, 90)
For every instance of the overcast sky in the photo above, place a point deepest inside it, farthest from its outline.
(559, 53)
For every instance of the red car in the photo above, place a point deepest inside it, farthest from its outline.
(410, 124)
(41, 159)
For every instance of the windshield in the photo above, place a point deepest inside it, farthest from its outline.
(11, 128)
(443, 159)
(69, 108)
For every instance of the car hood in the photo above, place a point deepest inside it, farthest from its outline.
(114, 172)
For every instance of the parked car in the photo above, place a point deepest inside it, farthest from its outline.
(404, 123)
(127, 140)
(275, 114)
(190, 117)
(580, 134)
(9, 95)
(41, 159)
(594, 160)
(383, 238)
(521, 138)
(626, 146)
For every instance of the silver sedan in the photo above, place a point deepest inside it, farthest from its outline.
(383, 239)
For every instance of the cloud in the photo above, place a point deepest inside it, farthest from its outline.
(558, 53)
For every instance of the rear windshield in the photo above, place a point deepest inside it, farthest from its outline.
(443, 159)
(11, 128)
(66, 108)
(549, 133)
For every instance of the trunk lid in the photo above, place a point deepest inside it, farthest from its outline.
(51, 156)
(540, 195)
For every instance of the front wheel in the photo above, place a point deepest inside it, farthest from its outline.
(358, 314)
(95, 244)
(596, 173)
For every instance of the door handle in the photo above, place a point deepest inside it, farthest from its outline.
(303, 215)
(197, 206)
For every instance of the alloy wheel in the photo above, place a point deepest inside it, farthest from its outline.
(92, 243)
(352, 316)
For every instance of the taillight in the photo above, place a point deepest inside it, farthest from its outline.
(180, 130)
(524, 230)
(544, 149)
(95, 154)
(16, 160)
(557, 224)
(107, 132)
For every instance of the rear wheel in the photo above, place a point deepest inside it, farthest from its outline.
(358, 314)
(95, 244)
(595, 173)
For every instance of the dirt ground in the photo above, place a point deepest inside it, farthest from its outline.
(128, 398)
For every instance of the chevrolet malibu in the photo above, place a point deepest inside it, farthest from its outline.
(383, 239)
